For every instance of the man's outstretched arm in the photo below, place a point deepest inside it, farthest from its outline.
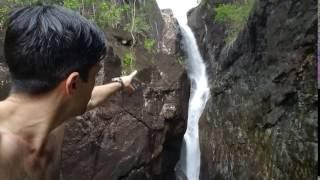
(102, 92)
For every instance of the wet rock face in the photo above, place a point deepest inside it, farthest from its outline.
(261, 120)
(132, 136)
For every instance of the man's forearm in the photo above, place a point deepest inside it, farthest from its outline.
(101, 93)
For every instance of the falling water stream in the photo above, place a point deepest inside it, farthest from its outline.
(190, 152)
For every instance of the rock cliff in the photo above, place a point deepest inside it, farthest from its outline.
(261, 120)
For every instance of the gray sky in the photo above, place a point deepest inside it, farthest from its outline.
(179, 7)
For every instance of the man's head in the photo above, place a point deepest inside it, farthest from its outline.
(49, 46)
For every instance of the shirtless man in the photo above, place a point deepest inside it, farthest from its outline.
(53, 55)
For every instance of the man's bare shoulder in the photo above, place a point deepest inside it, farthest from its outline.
(8, 145)
(11, 154)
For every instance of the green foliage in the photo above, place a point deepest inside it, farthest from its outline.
(19, 3)
(128, 62)
(7, 5)
(105, 13)
(234, 16)
(71, 4)
(3, 13)
(110, 14)
(233, 13)
(149, 45)
(180, 60)
(139, 26)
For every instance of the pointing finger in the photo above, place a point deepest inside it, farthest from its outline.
(133, 73)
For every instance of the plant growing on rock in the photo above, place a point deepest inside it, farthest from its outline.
(104, 13)
(6, 5)
(234, 16)
(149, 45)
(110, 14)
(71, 4)
(138, 25)
(180, 60)
(3, 13)
(128, 62)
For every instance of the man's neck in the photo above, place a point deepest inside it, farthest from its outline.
(32, 118)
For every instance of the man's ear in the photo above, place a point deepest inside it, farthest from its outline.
(72, 83)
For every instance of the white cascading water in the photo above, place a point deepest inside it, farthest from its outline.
(190, 153)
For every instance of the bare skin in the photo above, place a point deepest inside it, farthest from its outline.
(31, 127)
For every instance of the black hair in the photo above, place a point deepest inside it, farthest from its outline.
(44, 44)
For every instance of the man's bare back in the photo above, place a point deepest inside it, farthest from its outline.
(20, 162)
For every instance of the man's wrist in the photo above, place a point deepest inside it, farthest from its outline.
(119, 81)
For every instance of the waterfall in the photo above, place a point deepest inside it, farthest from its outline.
(190, 152)
(190, 157)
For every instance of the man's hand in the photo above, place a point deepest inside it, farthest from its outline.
(126, 80)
